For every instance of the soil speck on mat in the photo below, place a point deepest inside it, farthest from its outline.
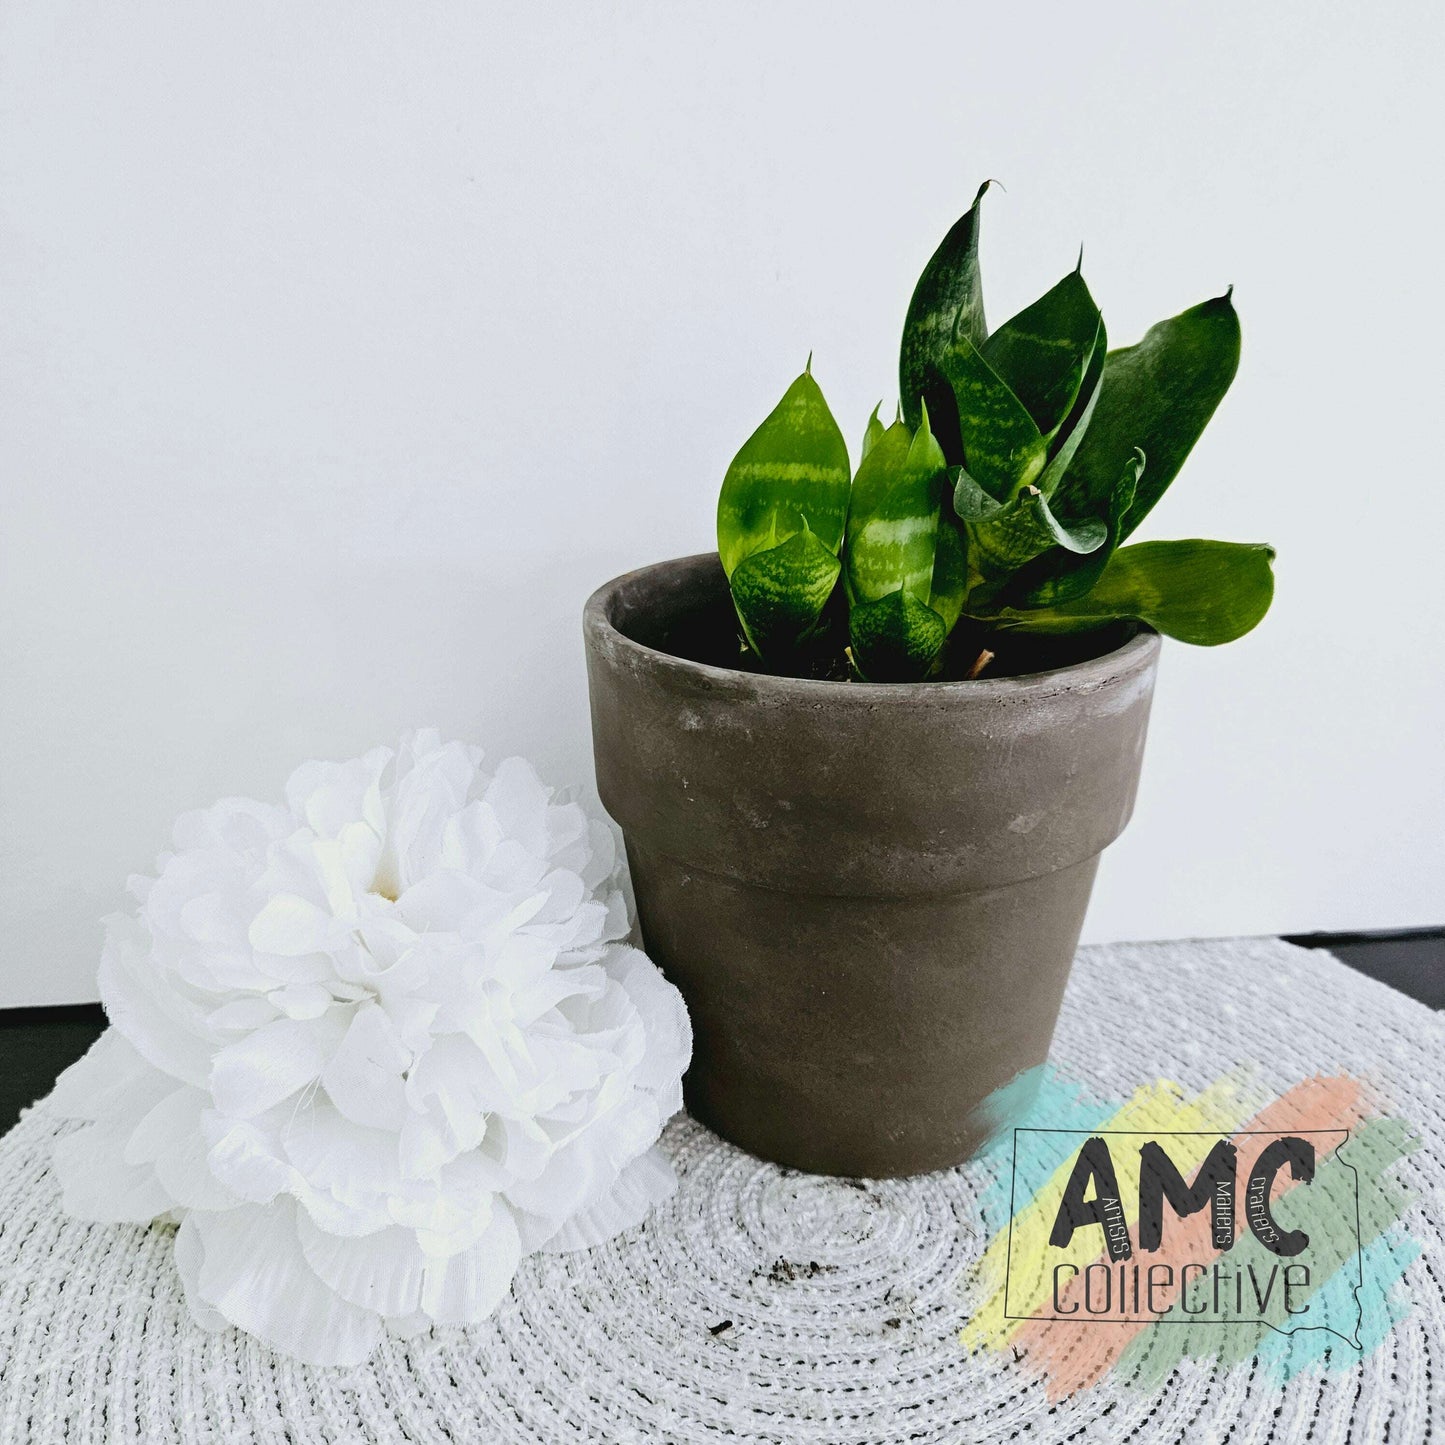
(785, 1271)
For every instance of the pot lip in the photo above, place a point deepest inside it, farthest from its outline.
(1131, 657)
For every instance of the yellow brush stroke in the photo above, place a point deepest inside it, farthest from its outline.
(1156, 1108)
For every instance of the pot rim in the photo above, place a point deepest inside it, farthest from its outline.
(1131, 656)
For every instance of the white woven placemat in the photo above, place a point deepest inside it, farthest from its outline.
(844, 1301)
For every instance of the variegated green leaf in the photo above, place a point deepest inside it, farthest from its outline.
(1060, 575)
(1018, 532)
(1158, 395)
(1075, 426)
(895, 639)
(1001, 447)
(893, 515)
(947, 301)
(791, 473)
(780, 593)
(950, 573)
(1043, 353)
(1202, 592)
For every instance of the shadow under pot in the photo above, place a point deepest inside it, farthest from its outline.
(869, 894)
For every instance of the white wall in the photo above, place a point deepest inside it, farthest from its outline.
(344, 349)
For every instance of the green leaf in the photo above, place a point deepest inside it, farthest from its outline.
(1006, 540)
(1005, 537)
(947, 301)
(790, 474)
(1058, 576)
(1157, 395)
(1000, 445)
(872, 434)
(895, 639)
(780, 593)
(978, 420)
(1043, 353)
(1198, 591)
(950, 573)
(969, 499)
(1075, 426)
(893, 515)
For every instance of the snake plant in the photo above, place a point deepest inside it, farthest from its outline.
(1020, 461)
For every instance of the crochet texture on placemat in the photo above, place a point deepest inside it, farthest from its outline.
(843, 1301)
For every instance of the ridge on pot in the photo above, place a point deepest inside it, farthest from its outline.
(869, 895)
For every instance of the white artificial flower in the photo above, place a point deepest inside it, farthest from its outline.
(373, 1047)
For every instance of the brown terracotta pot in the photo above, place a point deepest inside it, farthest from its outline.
(869, 895)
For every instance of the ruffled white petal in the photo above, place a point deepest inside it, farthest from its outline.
(253, 1273)
(291, 926)
(102, 1177)
(643, 1185)
(383, 1271)
(171, 1139)
(329, 797)
(468, 1286)
(364, 1075)
(98, 1184)
(246, 1158)
(666, 1026)
(389, 1272)
(263, 1068)
(110, 1077)
(189, 1253)
(163, 1022)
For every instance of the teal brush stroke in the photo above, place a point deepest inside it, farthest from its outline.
(1385, 1261)
(1040, 1098)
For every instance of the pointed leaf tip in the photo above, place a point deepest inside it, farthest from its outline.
(872, 433)
(1157, 395)
(808, 365)
(1079, 264)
